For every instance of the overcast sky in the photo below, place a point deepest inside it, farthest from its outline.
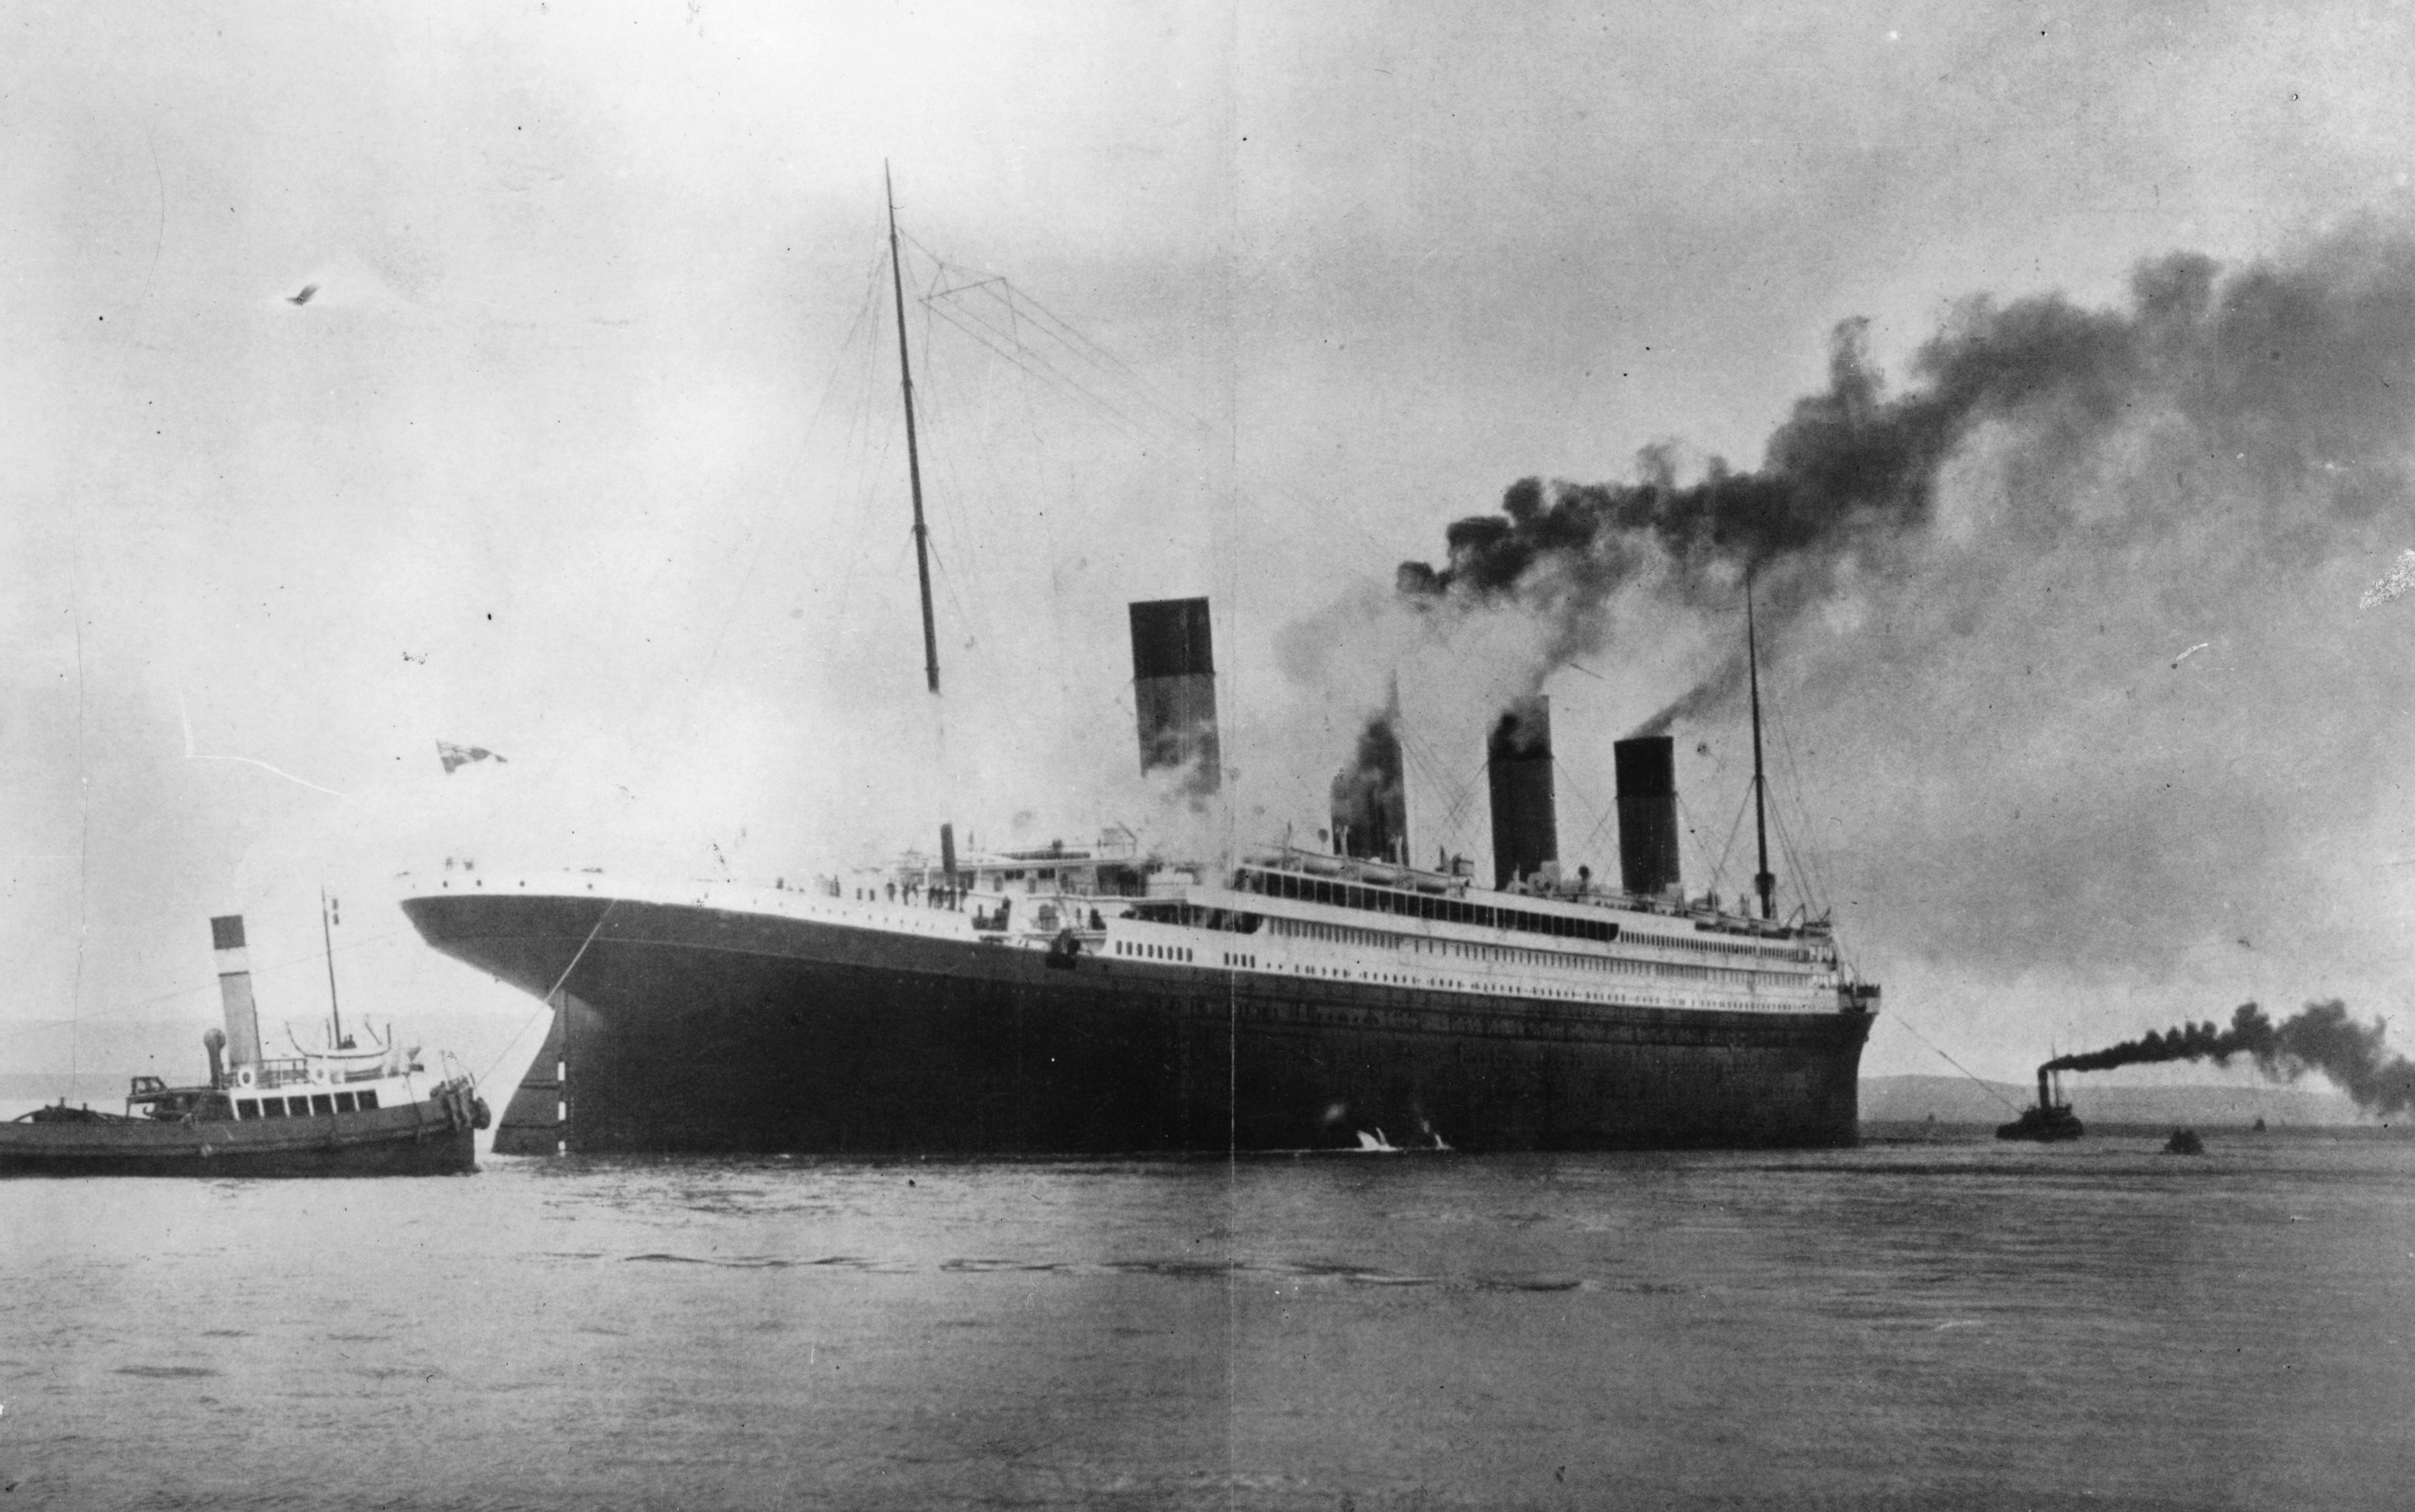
(585, 450)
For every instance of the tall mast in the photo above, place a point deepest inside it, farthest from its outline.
(913, 456)
(328, 938)
(1763, 881)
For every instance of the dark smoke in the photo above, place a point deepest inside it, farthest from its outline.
(1369, 804)
(1853, 471)
(2321, 1039)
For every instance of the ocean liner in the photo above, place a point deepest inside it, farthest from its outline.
(1098, 999)
(1094, 1000)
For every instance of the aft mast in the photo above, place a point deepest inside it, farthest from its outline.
(1765, 883)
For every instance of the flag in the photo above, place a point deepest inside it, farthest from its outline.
(462, 755)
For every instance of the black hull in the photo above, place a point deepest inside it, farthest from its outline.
(417, 1140)
(2042, 1126)
(691, 1028)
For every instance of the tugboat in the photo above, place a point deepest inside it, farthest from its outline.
(2049, 1122)
(347, 1110)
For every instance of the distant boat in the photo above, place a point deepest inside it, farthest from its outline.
(347, 1110)
(2049, 1122)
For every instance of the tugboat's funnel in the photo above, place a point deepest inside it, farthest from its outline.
(235, 990)
(1174, 691)
(2043, 1101)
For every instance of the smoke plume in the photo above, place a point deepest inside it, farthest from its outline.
(1369, 802)
(2259, 359)
(2062, 621)
(2321, 1039)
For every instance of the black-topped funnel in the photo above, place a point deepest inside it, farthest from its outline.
(1648, 813)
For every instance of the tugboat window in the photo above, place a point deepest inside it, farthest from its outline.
(322, 1102)
(272, 1107)
(344, 1102)
(247, 1108)
(368, 1101)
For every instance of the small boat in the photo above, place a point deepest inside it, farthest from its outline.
(347, 1110)
(2047, 1123)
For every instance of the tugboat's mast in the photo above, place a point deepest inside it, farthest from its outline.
(1764, 882)
(913, 456)
(327, 939)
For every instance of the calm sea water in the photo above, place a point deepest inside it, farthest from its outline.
(1956, 1324)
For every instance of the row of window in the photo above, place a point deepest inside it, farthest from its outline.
(1153, 952)
(1345, 935)
(1714, 945)
(1338, 934)
(1176, 952)
(303, 1107)
(1421, 905)
(1459, 911)
(1543, 990)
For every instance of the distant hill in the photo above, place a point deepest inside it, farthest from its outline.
(107, 1053)
(1957, 1100)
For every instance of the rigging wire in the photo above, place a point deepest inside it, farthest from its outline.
(1735, 830)
(1987, 1087)
(138, 1004)
(1702, 847)
(1806, 888)
(1019, 306)
(863, 459)
(1033, 364)
(784, 504)
(1819, 895)
(1567, 783)
(948, 381)
(545, 1004)
(1007, 347)
(514, 1044)
(938, 416)
(1458, 793)
(1174, 426)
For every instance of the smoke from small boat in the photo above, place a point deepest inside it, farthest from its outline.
(2322, 1038)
